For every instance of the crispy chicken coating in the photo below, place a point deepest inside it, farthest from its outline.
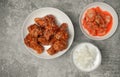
(62, 35)
(48, 34)
(52, 40)
(39, 48)
(43, 41)
(50, 31)
(32, 43)
(50, 18)
(41, 22)
(51, 51)
(28, 39)
(62, 32)
(35, 31)
(32, 27)
(60, 45)
(63, 26)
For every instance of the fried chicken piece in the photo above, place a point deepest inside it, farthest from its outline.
(62, 35)
(39, 48)
(48, 34)
(50, 31)
(60, 45)
(35, 30)
(53, 28)
(32, 43)
(63, 26)
(32, 27)
(43, 41)
(41, 22)
(51, 51)
(52, 40)
(50, 18)
(28, 39)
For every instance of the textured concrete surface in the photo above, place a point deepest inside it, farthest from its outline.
(15, 61)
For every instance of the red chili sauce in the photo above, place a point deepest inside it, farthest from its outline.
(97, 22)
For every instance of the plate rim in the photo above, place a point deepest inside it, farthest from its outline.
(33, 53)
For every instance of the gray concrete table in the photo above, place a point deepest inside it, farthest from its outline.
(16, 61)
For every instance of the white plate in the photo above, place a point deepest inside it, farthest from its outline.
(97, 61)
(60, 17)
(105, 7)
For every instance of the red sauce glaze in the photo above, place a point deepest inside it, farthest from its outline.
(97, 22)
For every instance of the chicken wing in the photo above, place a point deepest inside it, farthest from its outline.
(35, 30)
(60, 45)
(32, 43)
(43, 41)
(39, 48)
(50, 18)
(51, 51)
(41, 22)
(62, 35)
(28, 39)
(63, 26)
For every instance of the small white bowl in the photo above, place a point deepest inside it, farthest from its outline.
(105, 7)
(97, 60)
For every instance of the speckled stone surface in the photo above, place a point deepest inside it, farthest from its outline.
(16, 61)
